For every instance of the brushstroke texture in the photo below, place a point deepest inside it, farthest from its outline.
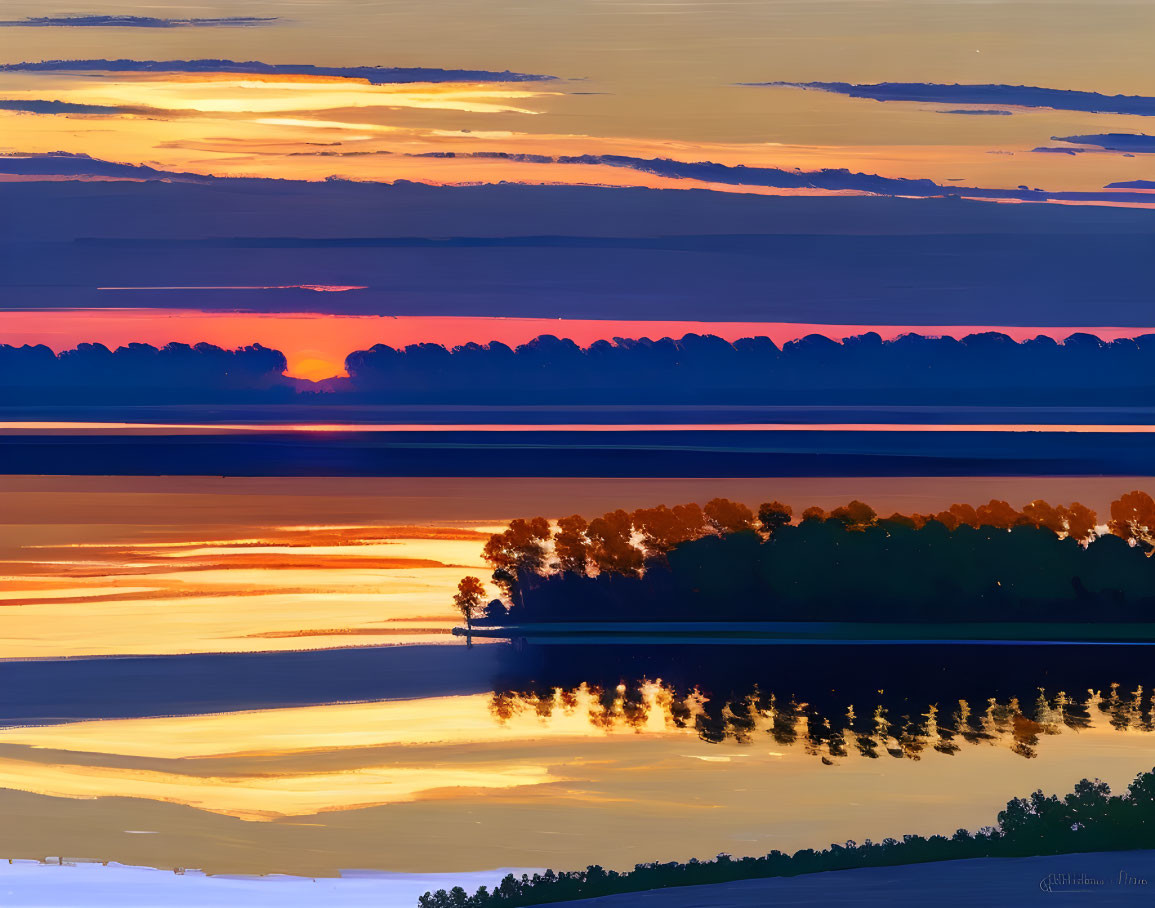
(107, 21)
(1011, 95)
(1114, 141)
(694, 369)
(570, 252)
(38, 106)
(375, 75)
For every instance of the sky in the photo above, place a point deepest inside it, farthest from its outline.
(323, 175)
(751, 97)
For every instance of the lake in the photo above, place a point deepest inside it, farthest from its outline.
(257, 676)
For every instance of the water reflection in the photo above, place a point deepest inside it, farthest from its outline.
(726, 753)
(873, 733)
(872, 702)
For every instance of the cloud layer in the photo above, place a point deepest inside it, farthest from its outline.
(376, 75)
(135, 22)
(1114, 141)
(58, 107)
(829, 179)
(1011, 95)
(70, 164)
(552, 251)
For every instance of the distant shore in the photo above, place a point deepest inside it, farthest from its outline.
(706, 452)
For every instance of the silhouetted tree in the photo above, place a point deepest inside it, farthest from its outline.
(611, 548)
(1000, 514)
(855, 515)
(774, 514)
(662, 528)
(469, 598)
(571, 546)
(982, 369)
(1044, 563)
(518, 551)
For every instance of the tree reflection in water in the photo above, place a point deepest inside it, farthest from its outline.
(869, 721)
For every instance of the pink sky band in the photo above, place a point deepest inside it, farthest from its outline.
(316, 344)
(128, 428)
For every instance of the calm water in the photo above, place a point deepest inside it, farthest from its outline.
(237, 713)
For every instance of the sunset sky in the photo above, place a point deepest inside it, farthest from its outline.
(646, 93)
(242, 591)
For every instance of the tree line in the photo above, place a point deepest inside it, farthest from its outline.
(705, 368)
(143, 373)
(989, 368)
(724, 560)
(1088, 819)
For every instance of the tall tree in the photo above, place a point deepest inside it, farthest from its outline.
(469, 598)
(571, 545)
(773, 515)
(517, 552)
(611, 547)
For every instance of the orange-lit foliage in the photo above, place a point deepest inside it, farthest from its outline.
(856, 515)
(621, 542)
(518, 551)
(662, 528)
(611, 547)
(774, 514)
(727, 516)
(571, 545)
(999, 514)
(1133, 518)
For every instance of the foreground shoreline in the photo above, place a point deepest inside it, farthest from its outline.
(1113, 878)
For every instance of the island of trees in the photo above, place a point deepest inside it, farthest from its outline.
(1088, 819)
(725, 562)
